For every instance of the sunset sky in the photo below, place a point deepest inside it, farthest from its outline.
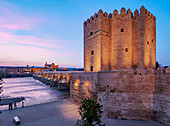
(35, 31)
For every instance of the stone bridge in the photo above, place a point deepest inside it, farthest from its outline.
(60, 79)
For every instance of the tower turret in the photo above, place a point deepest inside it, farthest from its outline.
(144, 39)
(121, 40)
(96, 42)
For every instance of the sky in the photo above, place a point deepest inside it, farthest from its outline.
(35, 31)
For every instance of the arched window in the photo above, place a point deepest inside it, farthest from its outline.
(91, 68)
(92, 52)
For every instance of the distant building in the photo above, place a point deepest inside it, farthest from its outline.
(51, 66)
(16, 69)
(38, 69)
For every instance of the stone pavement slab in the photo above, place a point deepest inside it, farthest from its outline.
(60, 113)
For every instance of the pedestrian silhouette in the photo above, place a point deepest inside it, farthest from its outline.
(15, 105)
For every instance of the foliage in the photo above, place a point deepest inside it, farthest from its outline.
(90, 112)
(157, 65)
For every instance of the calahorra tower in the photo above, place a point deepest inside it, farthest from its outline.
(124, 40)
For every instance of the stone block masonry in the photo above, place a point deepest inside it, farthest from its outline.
(126, 93)
(162, 95)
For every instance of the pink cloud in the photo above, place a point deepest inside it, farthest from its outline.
(6, 35)
(8, 58)
(33, 49)
(20, 63)
(9, 37)
(9, 54)
(13, 19)
(10, 26)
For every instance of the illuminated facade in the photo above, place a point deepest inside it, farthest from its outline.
(51, 66)
(123, 41)
(120, 40)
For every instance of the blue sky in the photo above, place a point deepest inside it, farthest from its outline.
(35, 31)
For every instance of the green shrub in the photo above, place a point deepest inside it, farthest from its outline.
(90, 112)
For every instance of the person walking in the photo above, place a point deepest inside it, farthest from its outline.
(10, 106)
(22, 104)
(15, 105)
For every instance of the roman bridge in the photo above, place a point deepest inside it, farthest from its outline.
(60, 79)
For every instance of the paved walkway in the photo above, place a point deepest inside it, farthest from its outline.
(60, 113)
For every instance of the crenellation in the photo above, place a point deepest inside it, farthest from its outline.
(84, 24)
(168, 70)
(95, 15)
(91, 19)
(88, 21)
(130, 71)
(105, 14)
(140, 71)
(161, 70)
(136, 13)
(115, 12)
(110, 15)
(151, 71)
(123, 11)
(100, 13)
(129, 12)
(149, 14)
(154, 18)
(143, 10)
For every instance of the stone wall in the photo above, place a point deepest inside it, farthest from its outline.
(83, 85)
(126, 93)
(162, 95)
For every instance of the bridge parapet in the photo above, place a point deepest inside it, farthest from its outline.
(53, 77)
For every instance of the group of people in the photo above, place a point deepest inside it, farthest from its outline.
(15, 105)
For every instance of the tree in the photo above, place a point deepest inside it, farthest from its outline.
(157, 65)
(91, 113)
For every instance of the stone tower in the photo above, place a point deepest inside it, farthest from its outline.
(97, 42)
(144, 39)
(120, 40)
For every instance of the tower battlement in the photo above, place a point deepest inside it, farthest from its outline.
(143, 11)
(120, 40)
